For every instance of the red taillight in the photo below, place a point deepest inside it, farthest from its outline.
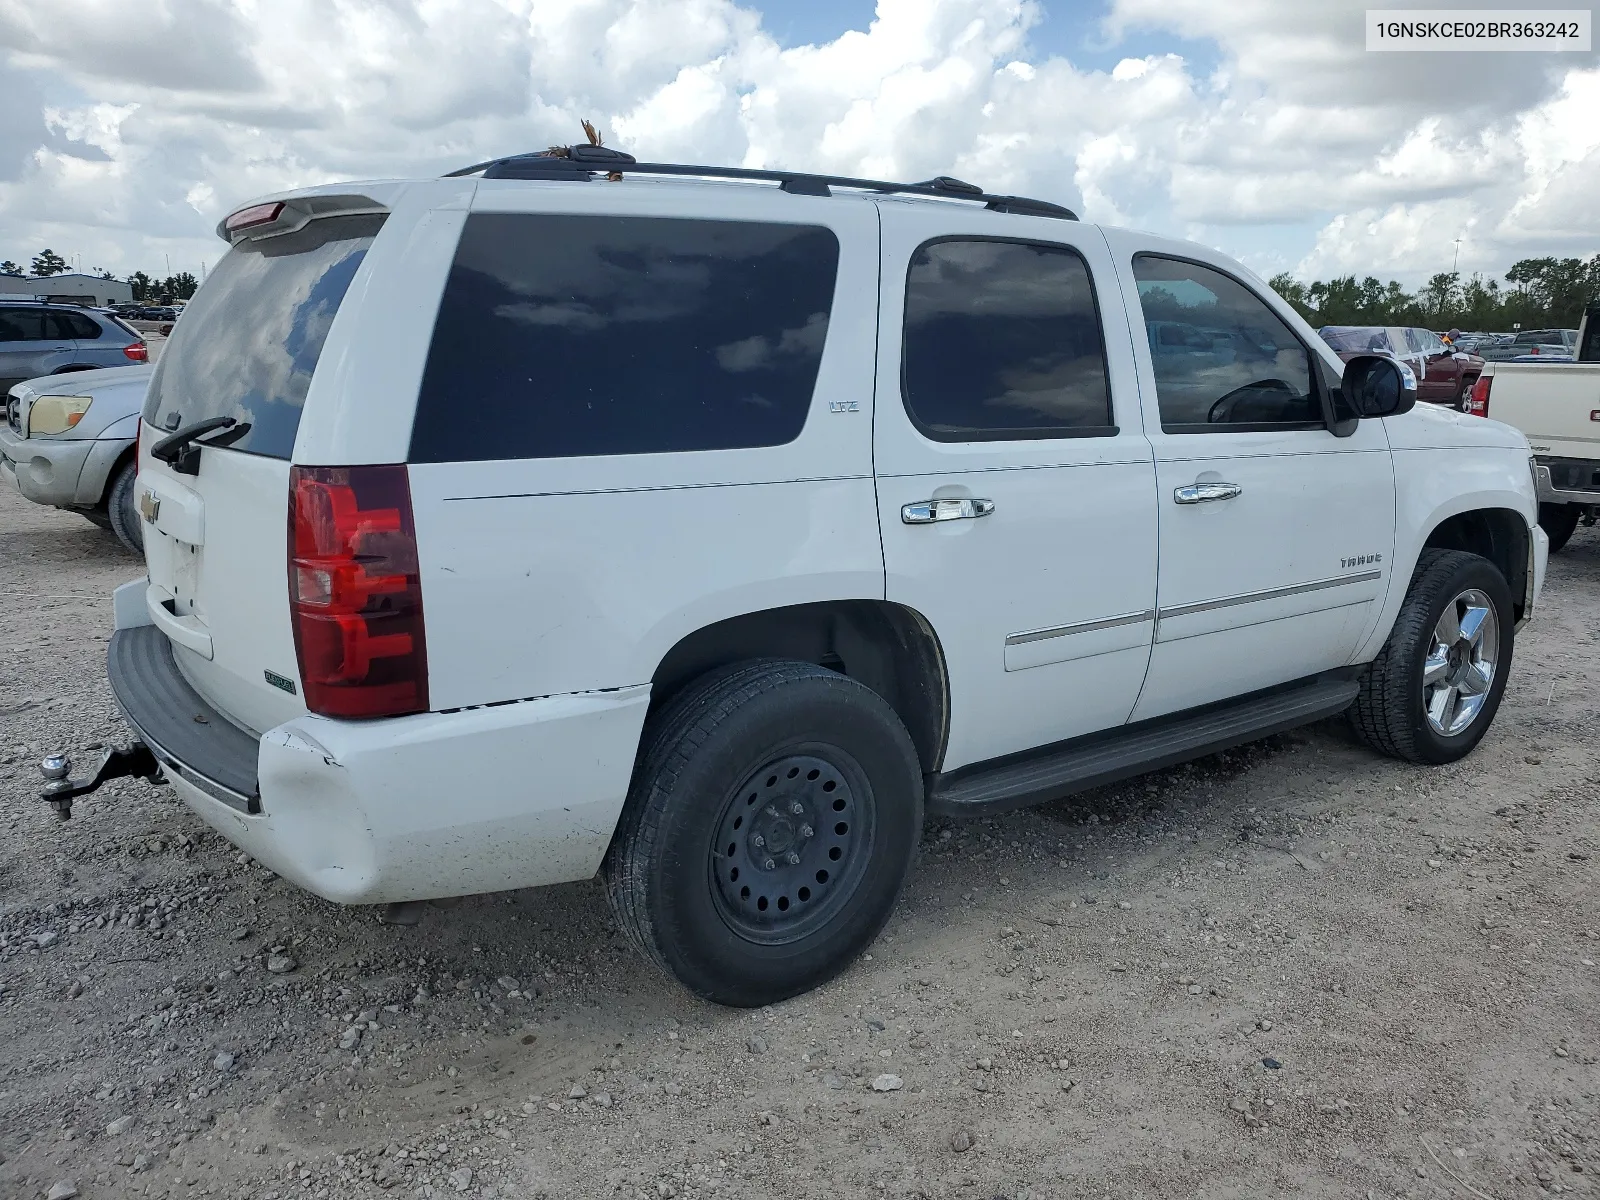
(355, 593)
(249, 218)
(1478, 401)
(137, 351)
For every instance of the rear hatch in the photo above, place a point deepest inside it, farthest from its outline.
(217, 522)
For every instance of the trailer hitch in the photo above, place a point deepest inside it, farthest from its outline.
(135, 761)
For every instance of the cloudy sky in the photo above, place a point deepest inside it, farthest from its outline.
(1260, 126)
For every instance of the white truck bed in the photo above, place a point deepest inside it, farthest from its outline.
(1557, 407)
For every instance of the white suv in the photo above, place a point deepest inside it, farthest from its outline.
(704, 528)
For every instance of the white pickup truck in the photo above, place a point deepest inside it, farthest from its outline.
(1557, 406)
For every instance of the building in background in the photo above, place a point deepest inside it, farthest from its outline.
(68, 289)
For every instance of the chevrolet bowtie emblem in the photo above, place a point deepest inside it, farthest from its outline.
(149, 506)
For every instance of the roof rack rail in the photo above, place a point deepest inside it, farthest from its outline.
(581, 163)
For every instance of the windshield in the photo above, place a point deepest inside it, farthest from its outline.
(250, 339)
(1355, 340)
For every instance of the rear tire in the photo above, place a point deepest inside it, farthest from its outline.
(121, 509)
(774, 813)
(1431, 694)
(1558, 521)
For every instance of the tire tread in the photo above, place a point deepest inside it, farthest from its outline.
(122, 517)
(671, 739)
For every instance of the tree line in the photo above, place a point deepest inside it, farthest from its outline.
(1540, 293)
(147, 289)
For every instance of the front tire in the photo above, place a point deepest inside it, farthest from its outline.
(772, 821)
(1431, 694)
(121, 512)
(1558, 522)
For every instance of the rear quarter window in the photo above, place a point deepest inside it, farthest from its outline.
(562, 336)
(78, 326)
(250, 339)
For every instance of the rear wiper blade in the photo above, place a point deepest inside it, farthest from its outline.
(178, 450)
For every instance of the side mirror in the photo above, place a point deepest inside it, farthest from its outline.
(1379, 387)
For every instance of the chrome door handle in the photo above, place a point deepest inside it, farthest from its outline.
(927, 512)
(1204, 493)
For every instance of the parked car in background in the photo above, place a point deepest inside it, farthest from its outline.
(1476, 343)
(69, 441)
(159, 312)
(1533, 342)
(1444, 375)
(37, 338)
(1557, 407)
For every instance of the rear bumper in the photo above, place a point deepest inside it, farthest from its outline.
(410, 808)
(1567, 481)
(195, 743)
(44, 471)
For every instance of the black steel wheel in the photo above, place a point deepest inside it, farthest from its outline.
(791, 845)
(772, 821)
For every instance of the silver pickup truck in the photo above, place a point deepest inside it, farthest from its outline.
(1557, 407)
(69, 441)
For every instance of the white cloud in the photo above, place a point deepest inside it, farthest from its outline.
(141, 125)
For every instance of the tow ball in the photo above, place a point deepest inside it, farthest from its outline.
(60, 789)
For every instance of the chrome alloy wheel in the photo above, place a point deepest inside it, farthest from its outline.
(1459, 669)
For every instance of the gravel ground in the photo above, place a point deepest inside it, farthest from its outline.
(1293, 969)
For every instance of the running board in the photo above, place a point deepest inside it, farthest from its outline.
(1103, 758)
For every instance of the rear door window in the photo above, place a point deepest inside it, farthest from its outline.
(1003, 341)
(250, 339)
(562, 336)
(22, 325)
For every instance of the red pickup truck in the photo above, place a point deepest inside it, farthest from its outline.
(1444, 375)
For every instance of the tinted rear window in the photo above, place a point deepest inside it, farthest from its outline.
(249, 341)
(21, 325)
(1002, 340)
(574, 335)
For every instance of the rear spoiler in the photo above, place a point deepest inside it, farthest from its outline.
(272, 218)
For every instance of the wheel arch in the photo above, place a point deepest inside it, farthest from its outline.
(1496, 522)
(887, 647)
(1500, 535)
(106, 457)
(125, 456)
